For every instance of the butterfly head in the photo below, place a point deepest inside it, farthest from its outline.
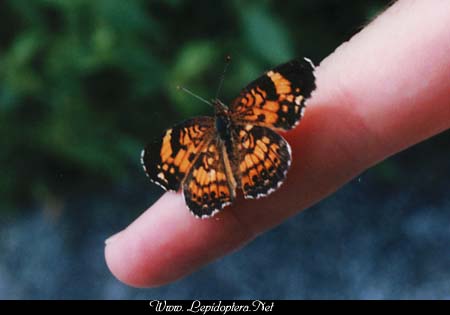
(219, 107)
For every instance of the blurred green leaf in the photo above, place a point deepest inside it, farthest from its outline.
(193, 59)
(16, 70)
(191, 65)
(265, 33)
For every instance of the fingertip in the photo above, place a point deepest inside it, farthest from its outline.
(116, 264)
(124, 264)
(136, 255)
(167, 242)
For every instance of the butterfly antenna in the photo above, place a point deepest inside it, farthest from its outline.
(222, 77)
(193, 94)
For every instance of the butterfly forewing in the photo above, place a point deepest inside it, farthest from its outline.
(276, 99)
(169, 159)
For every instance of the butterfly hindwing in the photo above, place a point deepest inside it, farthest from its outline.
(169, 159)
(264, 160)
(209, 185)
(276, 99)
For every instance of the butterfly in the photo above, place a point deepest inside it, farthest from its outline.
(209, 158)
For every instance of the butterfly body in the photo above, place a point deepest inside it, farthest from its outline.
(223, 125)
(210, 158)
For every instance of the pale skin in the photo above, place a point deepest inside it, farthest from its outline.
(386, 89)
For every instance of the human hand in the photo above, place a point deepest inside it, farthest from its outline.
(384, 90)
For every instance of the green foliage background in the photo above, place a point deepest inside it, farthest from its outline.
(84, 84)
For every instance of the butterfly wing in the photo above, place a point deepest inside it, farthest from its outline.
(276, 99)
(167, 160)
(210, 185)
(264, 159)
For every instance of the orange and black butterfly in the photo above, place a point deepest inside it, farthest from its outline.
(209, 158)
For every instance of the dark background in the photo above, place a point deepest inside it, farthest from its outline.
(84, 84)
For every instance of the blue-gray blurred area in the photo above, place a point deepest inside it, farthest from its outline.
(84, 84)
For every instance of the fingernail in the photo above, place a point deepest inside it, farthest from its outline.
(110, 239)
